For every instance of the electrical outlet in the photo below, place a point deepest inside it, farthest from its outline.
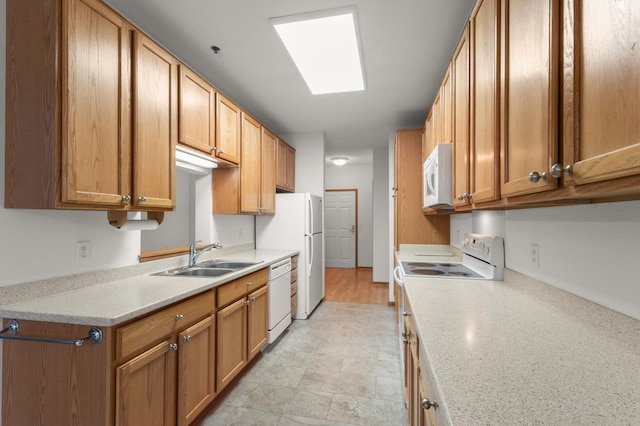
(535, 255)
(83, 251)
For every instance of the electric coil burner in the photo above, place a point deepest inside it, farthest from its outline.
(482, 259)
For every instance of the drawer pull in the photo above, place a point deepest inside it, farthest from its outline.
(249, 284)
(173, 347)
(9, 333)
(179, 317)
(187, 338)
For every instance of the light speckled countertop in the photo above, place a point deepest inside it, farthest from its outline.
(114, 302)
(523, 352)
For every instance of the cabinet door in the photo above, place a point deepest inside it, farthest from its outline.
(155, 129)
(281, 164)
(232, 342)
(96, 141)
(601, 89)
(428, 143)
(196, 118)
(250, 169)
(485, 144)
(146, 387)
(228, 124)
(460, 101)
(529, 95)
(196, 369)
(291, 169)
(445, 107)
(268, 173)
(258, 320)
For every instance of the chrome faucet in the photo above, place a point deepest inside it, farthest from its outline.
(194, 253)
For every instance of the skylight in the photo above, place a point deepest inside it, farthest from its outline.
(325, 47)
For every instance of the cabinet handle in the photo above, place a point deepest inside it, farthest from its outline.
(406, 341)
(534, 177)
(406, 314)
(212, 149)
(463, 197)
(126, 198)
(179, 317)
(187, 338)
(221, 152)
(173, 347)
(253, 299)
(249, 284)
(427, 403)
(247, 302)
(557, 170)
(405, 334)
(142, 199)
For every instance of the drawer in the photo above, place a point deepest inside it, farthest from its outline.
(234, 290)
(151, 328)
(294, 275)
(294, 262)
(294, 288)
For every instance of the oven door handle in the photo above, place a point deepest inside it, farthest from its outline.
(397, 276)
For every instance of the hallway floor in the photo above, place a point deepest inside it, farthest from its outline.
(339, 367)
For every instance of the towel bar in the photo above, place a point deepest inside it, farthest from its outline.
(95, 335)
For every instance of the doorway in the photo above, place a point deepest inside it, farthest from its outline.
(341, 227)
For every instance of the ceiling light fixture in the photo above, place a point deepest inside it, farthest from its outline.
(326, 49)
(339, 161)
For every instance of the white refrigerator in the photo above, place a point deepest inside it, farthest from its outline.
(297, 225)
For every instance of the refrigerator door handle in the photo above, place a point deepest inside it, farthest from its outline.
(310, 229)
(310, 242)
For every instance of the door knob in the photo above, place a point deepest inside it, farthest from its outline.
(352, 229)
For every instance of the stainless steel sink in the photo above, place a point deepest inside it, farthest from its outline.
(213, 268)
(195, 271)
(228, 264)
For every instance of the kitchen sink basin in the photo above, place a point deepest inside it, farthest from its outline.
(196, 271)
(217, 264)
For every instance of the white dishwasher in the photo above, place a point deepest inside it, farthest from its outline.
(279, 298)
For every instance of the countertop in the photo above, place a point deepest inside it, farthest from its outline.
(520, 351)
(113, 302)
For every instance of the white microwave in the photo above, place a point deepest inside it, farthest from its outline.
(437, 178)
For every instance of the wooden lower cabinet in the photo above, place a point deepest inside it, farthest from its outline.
(422, 407)
(242, 331)
(146, 387)
(196, 369)
(232, 341)
(159, 369)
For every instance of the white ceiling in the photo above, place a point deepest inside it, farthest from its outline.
(406, 48)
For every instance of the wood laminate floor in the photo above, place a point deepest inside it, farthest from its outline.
(354, 286)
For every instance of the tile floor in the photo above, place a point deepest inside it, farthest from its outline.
(339, 367)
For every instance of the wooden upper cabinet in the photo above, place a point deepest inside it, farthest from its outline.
(485, 146)
(269, 143)
(285, 167)
(250, 168)
(197, 118)
(460, 137)
(529, 95)
(68, 136)
(87, 132)
(228, 130)
(95, 105)
(155, 124)
(601, 89)
(445, 108)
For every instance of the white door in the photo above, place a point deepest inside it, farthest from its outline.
(340, 229)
